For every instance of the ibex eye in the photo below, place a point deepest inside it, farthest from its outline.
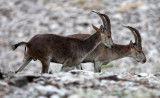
(139, 51)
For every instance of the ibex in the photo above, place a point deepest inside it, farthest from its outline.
(104, 55)
(59, 49)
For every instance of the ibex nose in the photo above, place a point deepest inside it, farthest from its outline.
(144, 60)
(109, 36)
(109, 33)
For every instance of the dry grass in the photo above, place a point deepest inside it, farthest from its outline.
(129, 6)
(84, 4)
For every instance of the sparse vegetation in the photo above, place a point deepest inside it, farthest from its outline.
(107, 66)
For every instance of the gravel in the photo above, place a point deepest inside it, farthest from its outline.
(80, 84)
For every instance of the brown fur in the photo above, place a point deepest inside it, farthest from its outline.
(103, 54)
(54, 48)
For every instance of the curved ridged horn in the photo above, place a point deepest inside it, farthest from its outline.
(108, 23)
(136, 34)
(103, 20)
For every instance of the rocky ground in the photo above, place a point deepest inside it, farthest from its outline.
(80, 84)
(22, 19)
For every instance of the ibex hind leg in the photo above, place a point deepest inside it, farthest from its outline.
(26, 60)
(66, 69)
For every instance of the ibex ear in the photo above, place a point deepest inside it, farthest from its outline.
(131, 44)
(94, 27)
(101, 29)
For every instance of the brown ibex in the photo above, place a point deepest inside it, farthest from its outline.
(104, 55)
(59, 49)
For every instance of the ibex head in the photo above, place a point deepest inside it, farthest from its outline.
(136, 48)
(106, 29)
(100, 29)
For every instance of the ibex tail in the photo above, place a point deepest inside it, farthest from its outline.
(14, 47)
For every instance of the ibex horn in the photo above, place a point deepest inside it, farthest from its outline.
(108, 23)
(136, 34)
(103, 20)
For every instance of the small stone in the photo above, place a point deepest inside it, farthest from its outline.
(19, 82)
(74, 96)
(142, 75)
(55, 96)
(42, 97)
(157, 74)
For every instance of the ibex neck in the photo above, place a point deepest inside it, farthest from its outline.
(92, 42)
(120, 51)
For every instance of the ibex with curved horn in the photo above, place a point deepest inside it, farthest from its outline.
(59, 49)
(104, 55)
(106, 28)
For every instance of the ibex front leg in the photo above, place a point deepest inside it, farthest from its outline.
(97, 66)
(69, 64)
(45, 65)
(79, 67)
